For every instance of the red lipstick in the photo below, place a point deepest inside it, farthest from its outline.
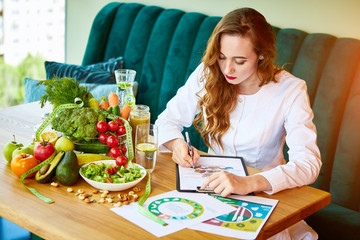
(230, 78)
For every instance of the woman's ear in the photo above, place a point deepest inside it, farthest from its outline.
(261, 57)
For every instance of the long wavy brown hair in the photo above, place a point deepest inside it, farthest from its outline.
(220, 97)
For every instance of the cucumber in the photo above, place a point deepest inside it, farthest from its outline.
(91, 147)
(84, 158)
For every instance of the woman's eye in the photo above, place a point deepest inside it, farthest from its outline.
(240, 62)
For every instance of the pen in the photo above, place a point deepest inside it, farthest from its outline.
(190, 149)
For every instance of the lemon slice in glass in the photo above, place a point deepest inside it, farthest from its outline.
(50, 136)
(146, 147)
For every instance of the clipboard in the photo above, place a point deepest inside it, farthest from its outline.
(190, 179)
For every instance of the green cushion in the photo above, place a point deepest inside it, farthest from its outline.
(120, 29)
(288, 44)
(179, 54)
(98, 38)
(311, 60)
(329, 104)
(345, 175)
(139, 37)
(155, 59)
(336, 222)
(199, 46)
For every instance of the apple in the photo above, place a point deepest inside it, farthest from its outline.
(31, 146)
(9, 148)
(20, 150)
(64, 144)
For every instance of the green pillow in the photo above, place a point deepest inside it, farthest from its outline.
(102, 72)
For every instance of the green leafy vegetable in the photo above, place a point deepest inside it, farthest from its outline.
(99, 173)
(63, 90)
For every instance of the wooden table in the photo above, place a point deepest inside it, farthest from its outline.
(71, 218)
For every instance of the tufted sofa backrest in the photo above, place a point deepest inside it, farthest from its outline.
(165, 45)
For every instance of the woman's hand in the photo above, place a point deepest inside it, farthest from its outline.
(225, 183)
(180, 152)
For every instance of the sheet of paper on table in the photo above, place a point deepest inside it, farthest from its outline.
(245, 222)
(178, 210)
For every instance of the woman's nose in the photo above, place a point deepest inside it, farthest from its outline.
(229, 67)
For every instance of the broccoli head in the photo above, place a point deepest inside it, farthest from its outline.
(77, 123)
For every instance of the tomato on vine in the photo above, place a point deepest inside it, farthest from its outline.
(112, 141)
(102, 126)
(103, 137)
(112, 126)
(121, 130)
(115, 152)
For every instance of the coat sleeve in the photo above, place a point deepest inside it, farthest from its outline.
(304, 156)
(180, 110)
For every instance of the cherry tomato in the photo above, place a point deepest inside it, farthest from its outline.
(121, 160)
(115, 152)
(103, 137)
(101, 126)
(119, 121)
(121, 130)
(115, 169)
(123, 148)
(109, 171)
(112, 126)
(22, 163)
(112, 141)
(43, 150)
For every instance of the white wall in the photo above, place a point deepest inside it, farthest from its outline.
(339, 18)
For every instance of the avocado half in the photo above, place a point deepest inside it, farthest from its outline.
(47, 172)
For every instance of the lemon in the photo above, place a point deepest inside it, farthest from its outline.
(50, 136)
(146, 147)
(93, 103)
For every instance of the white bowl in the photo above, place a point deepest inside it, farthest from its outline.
(113, 186)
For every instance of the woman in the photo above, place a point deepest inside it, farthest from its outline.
(245, 106)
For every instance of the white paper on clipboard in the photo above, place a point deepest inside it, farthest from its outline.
(188, 179)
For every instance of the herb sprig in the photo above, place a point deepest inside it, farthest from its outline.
(63, 90)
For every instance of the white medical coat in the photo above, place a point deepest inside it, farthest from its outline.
(258, 126)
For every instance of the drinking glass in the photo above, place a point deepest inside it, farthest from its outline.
(146, 145)
(125, 81)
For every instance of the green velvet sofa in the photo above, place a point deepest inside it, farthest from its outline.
(165, 45)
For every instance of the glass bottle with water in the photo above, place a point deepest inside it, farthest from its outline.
(125, 80)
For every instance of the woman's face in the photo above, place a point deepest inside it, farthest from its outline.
(238, 61)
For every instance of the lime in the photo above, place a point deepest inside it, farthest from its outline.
(146, 147)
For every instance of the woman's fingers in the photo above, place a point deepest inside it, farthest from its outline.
(209, 181)
(219, 182)
(196, 155)
(181, 154)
